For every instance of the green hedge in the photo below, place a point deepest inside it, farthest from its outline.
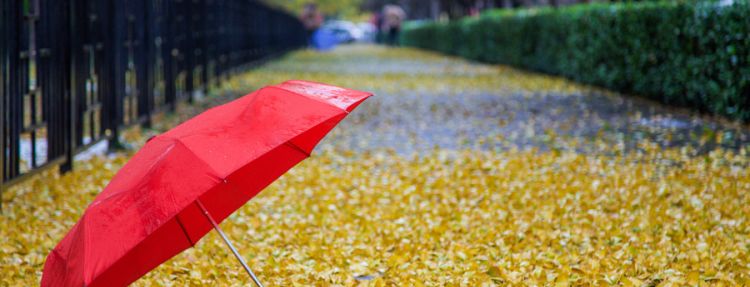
(695, 55)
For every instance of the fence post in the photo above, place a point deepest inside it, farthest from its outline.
(4, 37)
(72, 62)
(116, 86)
(170, 93)
(203, 46)
(189, 52)
(145, 83)
(11, 88)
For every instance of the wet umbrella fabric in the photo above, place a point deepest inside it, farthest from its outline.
(151, 210)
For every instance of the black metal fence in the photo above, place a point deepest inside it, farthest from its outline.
(74, 72)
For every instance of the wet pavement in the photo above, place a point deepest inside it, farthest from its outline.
(482, 204)
(426, 100)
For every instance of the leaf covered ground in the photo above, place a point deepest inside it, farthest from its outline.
(455, 174)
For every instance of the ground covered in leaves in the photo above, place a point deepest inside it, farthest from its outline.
(455, 174)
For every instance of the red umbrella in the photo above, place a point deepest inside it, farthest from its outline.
(175, 189)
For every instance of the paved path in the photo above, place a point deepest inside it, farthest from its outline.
(425, 100)
(455, 174)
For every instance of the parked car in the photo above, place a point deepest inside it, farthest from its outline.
(344, 31)
(369, 32)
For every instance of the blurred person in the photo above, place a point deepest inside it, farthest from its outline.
(377, 22)
(392, 16)
(312, 19)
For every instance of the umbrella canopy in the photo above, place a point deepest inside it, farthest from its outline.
(152, 208)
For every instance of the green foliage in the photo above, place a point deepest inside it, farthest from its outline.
(695, 55)
(346, 9)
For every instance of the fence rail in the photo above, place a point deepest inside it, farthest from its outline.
(75, 72)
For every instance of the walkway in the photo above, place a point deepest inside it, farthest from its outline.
(454, 174)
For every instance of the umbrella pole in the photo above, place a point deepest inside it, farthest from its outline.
(231, 246)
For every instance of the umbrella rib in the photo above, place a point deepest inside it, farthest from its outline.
(294, 146)
(177, 217)
(308, 97)
(211, 168)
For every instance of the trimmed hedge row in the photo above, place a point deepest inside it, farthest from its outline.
(690, 55)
